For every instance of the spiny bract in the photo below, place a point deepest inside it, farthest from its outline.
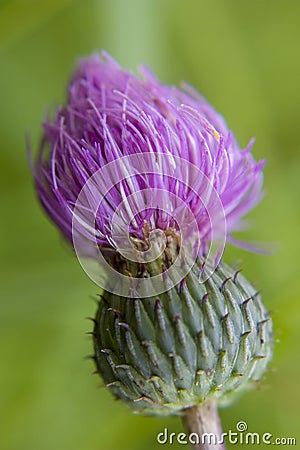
(192, 343)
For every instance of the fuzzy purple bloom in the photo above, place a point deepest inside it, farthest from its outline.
(111, 113)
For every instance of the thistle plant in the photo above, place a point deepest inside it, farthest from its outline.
(147, 183)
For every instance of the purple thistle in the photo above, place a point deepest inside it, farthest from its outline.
(111, 113)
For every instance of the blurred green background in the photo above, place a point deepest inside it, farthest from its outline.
(244, 57)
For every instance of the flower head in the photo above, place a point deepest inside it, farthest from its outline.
(149, 176)
(112, 115)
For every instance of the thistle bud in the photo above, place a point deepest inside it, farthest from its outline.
(195, 342)
(148, 182)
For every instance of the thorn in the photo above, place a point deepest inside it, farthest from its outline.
(224, 283)
(204, 297)
(92, 320)
(95, 372)
(225, 316)
(124, 325)
(235, 275)
(103, 299)
(245, 302)
(262, 322)
(244, 335)
(91, 333)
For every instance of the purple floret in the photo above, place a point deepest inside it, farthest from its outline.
(111, 113)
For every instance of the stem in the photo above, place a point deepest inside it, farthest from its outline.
(202, 419)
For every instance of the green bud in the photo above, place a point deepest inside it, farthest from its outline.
(195, 342)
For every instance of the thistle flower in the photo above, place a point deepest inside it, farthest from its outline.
(110, 114)
(148, 177)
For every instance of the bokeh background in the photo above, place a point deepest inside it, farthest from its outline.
(244, 57)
